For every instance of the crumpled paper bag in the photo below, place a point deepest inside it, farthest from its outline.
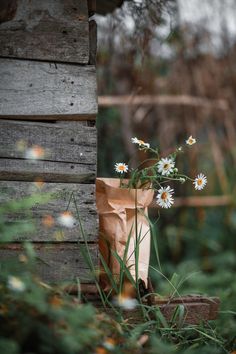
(116, 209)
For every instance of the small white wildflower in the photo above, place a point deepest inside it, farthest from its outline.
(180, 149)
(66, 219)
(190, 140)
(35, 153)
(140, 143)
(200, 182)
(109, 343)
(165, 166)
(125, 302)
(15, 284)
(121, 167)
(164, 197)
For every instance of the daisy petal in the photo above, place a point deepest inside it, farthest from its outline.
(140, 143)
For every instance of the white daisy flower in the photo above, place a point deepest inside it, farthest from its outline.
(15, 284)
(164, 197)
(140, 143)
(165, 166)
(190, 140)
(67, 219)
(121, 167)
(200, 182)
(109, 344)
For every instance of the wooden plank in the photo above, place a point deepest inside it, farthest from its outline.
(56, 263)
(52, 30)
(55, 91)
(194, 313)
(49, 171)
(73, 142)
(165, 100)
(77, 198)
(197, 308)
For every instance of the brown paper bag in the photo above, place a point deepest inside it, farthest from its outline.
(116, 209)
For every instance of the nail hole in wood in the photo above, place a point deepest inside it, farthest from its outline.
(72, 167)
(72, 104)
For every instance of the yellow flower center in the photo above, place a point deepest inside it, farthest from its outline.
(121, 168)
(164, 196)
(191, 141)
(199, 181)
(166, 166)
(141, 142)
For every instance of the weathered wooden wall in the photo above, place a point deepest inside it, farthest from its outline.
(48, 98)
(47, 30)
(41, 47)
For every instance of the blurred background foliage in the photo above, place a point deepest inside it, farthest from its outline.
(184, 53)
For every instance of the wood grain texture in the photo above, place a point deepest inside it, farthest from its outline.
(55, 263)
(57, 91)
(78, 199)
(52, 30)
(71, 142)
(197, 309)
(49, 171)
